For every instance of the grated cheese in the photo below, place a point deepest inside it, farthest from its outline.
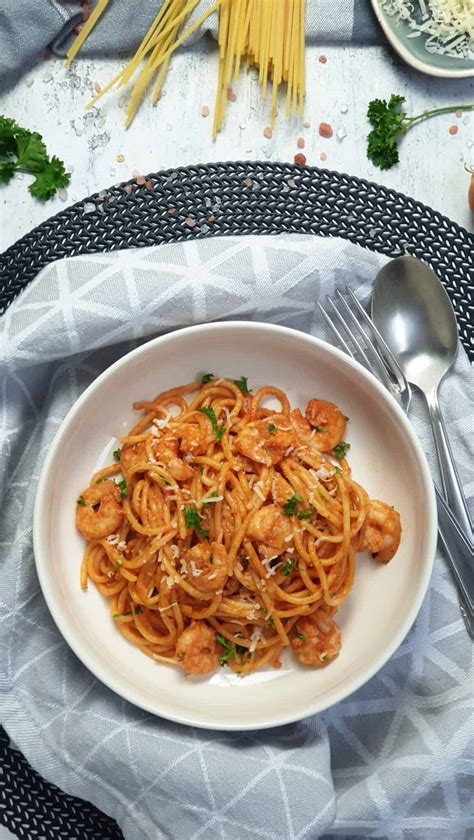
(448, 25)
(194, 571)
(257, 636)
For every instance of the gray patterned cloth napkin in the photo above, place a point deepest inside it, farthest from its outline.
(391, 761)
(28, 27)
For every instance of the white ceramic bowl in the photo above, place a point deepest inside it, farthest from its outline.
(385, 456)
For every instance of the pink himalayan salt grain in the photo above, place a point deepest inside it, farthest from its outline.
(306, 125)
(205, 111)
(97, 87)
(325, 130)
(300, 142)
(458, 114)
(190, 222)
(300, 159)
(453, 129)
(231, 96)
(128, 188)
(267, 132)
(323, 156)
(322, 59)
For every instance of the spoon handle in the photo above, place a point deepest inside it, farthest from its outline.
(451, 486)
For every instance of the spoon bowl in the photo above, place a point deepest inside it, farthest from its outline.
(413, 313)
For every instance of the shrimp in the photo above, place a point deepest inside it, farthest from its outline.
(206, 567)
(99, 511)
(271, 528)
(281, 490)
(329, 422)
(166, 450)
(382, 531)
(196, 649)
(192, 440)
(265, 442)
(133, 454)
(316, 639)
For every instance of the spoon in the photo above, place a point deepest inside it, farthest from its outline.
(413, 312)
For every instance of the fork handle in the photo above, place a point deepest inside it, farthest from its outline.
(460, 559)
(450, 483)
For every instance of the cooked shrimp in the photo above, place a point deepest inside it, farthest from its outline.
(205, 567)
(265, 442)
(316, 639)
(382, 531)
(196, 649)
(133, 454)
(166, 450)
(270, 527)
(99, 511)
(329, 422)
(301, 425)
(281, 490)
(193, 440)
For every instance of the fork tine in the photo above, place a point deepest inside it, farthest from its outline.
(335, 331)
(353, 337)
(383, 348)
(384, 374)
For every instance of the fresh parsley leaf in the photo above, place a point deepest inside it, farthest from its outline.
(208, 377)
(338, 470)
(272, 428)
(118, 563)
(308, 513)
(31, 151)
(117, 453)
(123, 489)
(288, 567)
(320, 428)
(8, 130)
(193, 521)
(229, 649)
(341, 450)
(218, 430)
(299, 634)
(390, 123)
(346, 418)
(290, 507)
(81, 501)
(7, 171)
(137, 610)
(242, 383)
(52, 177)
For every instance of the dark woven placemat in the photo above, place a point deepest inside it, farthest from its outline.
(216, 200)
(258, 198)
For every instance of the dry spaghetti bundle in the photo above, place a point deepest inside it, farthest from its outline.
(267, 34)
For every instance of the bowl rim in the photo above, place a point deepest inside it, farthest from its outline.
(74, 640)
(410, 58)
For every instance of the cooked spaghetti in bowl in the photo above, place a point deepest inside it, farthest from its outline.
(227, 528)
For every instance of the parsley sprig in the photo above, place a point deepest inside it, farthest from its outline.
(209, 412)
(288, 567)
(242, 383)
(22, 150)
(390, 123)
(291, 505)
(341, 449)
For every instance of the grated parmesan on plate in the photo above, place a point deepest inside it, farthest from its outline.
(448, 25)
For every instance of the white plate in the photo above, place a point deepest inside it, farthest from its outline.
(385, 456)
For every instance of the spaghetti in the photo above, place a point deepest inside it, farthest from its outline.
(233, 530)
(267, 34)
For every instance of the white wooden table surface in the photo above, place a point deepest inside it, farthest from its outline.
(51, 99)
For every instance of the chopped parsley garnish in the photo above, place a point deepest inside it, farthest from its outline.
(320, 428)
(338, 470)
(137, 610)
(242, 383)
(346, 418)
(208, 377)
(272, 428)
(288, 567)
(123, 488)
(193, 521)
(81, 501)
(341, 450)
(117, 453)
(229, 649)
(307, 513)
(165, 480)
(118, 563)
(290, 507)
(218, 430)
(299, 634)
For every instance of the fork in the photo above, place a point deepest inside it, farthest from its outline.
(358, 336)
